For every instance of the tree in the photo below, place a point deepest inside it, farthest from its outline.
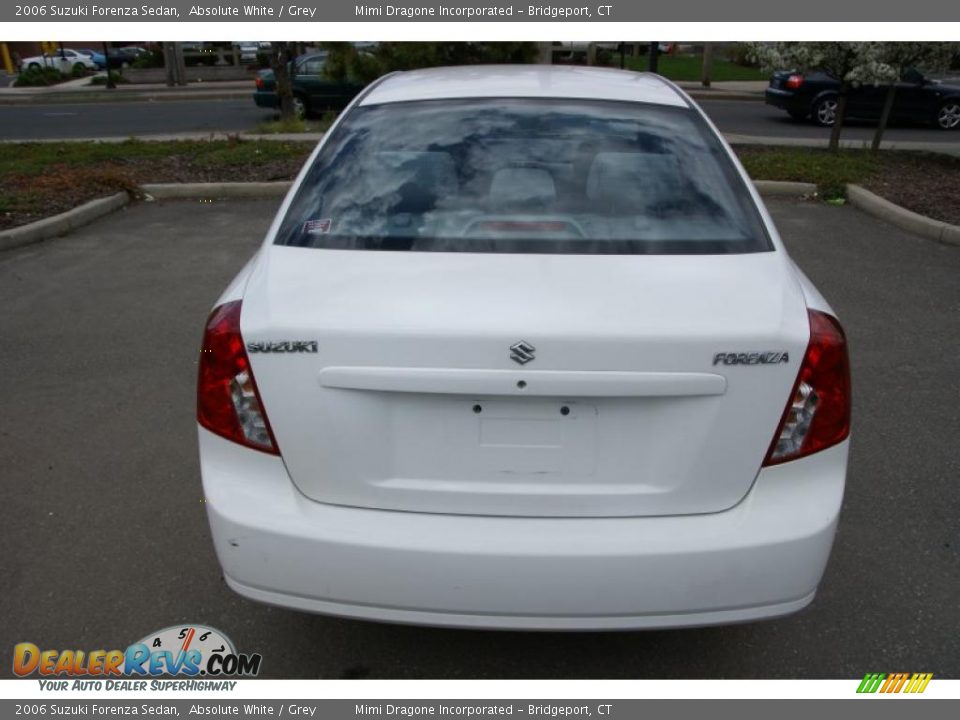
(901, 57)
(346, 60)
(850, 63)
(282, 57)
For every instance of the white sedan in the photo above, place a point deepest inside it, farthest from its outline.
(66, 61)
(523, 349)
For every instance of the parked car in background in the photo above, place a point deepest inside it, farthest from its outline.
(66, 61)
(523, 349)
(99, 59)
(313, 92)
(814, 95)
(247, 51)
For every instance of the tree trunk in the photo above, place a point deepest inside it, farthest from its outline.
(841, 115)
(281, 75)
(707, 64)
(652, 64)
(884, 117)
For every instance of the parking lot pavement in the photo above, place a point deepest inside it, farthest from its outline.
(105, 539)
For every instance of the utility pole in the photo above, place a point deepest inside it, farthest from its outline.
(654, 56)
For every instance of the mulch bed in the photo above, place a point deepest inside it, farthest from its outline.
(928, 184)
(27, 198)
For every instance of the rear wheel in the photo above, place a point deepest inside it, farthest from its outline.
(825, 111)
(300, 107)
(948, 116)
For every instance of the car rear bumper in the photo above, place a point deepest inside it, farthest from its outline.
(783, 99)
(760, 559)
(265, 99)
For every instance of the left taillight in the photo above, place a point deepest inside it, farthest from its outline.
(259, 82)
(228, 402)
(794, 81)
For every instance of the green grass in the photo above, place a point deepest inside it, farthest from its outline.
(690, 67)
(830, 171)
(37, 158)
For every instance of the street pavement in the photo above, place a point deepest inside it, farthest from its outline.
(232, 115)
(105, 538)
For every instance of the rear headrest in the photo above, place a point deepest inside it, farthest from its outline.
(434, 172)
(522, 186)
(638, 179)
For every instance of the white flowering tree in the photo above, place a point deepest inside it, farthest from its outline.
(850, 63)
(901, 57)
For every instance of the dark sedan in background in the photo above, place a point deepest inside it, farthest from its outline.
(814, 95)
(313, 91)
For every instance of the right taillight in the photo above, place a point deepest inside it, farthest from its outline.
(818, 412)
(259, 82)
(793, 82)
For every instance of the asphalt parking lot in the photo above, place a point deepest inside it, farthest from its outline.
(104, 537)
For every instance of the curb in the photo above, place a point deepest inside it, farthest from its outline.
(877, 206)
(121, 96)
(63, 223)
(781, 188)
(181, 191)
(724, 95)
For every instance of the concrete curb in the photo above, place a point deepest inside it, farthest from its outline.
(877, 206)
(781, 188)
(181, 191)
(63, 223)
(723, 95)
(122, 96)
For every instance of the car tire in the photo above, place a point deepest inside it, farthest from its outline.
(79, 68)
(824, 112)
(301, 109)
(948, 115)
(33, 66)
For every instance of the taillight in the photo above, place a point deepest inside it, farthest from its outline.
(259, 82)
(793, 82)
(228, 402)
(818, 413)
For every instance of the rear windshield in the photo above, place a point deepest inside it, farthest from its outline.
(524, 176)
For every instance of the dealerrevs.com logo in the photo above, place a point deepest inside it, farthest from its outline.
(179, 650)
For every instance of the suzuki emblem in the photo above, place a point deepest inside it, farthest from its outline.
(522, 352)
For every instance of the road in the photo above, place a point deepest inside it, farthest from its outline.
(35, 122)
(104, 533)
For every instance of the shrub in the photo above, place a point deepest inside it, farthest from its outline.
(38, 77)
(118, 79)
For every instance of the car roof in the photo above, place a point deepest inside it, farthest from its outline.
(540, 81)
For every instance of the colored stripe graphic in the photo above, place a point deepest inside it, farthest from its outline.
(894, 682)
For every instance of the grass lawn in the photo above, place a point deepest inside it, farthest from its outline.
(926, 183)
(42, 179)
(689, 67)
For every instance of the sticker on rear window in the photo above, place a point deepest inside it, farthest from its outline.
(317, 227)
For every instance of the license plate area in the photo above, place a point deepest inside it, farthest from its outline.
(493, 439)
(535, 436)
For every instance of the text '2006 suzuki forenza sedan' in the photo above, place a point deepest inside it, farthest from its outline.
(523, 349)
